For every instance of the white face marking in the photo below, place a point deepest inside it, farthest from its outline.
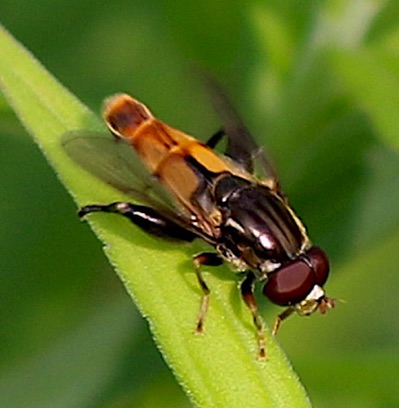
(316, 293)
(311, 303)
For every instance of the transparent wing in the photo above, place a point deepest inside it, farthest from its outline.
(241, 146)
(116, 163)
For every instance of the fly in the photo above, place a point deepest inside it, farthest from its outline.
(233, 202)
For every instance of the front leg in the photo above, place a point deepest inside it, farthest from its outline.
(282, 316)
(146, 218)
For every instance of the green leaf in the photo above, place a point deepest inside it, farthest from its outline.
(217, 369)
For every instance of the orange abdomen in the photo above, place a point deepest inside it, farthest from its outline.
(164, 150)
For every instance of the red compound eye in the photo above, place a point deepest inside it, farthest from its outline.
(290, 284)
(320, 264)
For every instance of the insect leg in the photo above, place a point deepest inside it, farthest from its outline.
(239, 153)
(211, 259)
(215, 138)
(144, 217)
(282, 316)
(247, 292)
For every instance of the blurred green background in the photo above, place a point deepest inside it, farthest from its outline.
(316, 81)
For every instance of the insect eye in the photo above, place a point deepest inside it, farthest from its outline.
(290, 284)
(320, 264)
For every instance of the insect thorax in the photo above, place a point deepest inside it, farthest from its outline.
(258, 230)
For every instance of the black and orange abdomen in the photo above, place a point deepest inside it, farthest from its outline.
(166, 152)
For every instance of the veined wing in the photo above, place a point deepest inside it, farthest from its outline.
(241, 146)
(115, 162)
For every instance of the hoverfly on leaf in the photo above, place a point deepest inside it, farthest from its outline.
(187, 190)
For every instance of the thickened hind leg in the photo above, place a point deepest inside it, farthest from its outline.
(211, 259)
(146, 218)
(247, 292)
